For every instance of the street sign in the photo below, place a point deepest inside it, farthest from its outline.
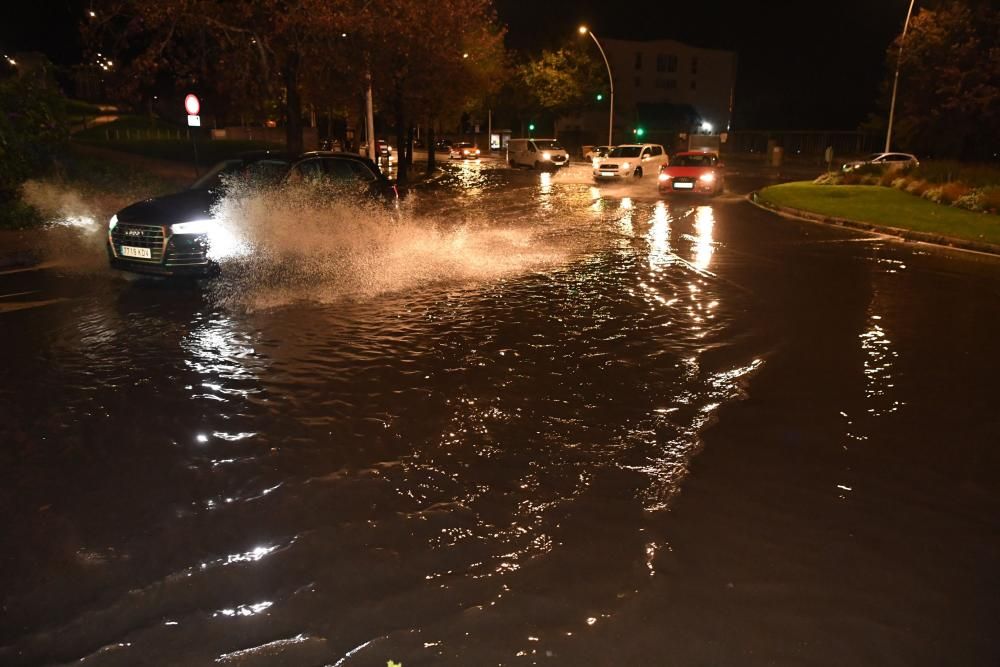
(194, 121)
(192, 105)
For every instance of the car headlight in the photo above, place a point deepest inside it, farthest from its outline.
(113, 222)
(546, 155)
(664, 177)
(707, 177)
(626, 165)
(192, 227)
(477, 151)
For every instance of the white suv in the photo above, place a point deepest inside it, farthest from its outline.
(634, 160)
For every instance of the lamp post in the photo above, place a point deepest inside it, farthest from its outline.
(895, 81)
(611, 80)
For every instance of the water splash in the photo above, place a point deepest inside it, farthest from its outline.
(291, 245)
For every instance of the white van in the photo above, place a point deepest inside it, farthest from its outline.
(537, 153)
(634, 160)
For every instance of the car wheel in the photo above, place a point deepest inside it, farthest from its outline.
(536, 166)
(638, 172)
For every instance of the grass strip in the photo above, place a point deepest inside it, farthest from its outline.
(886, 207)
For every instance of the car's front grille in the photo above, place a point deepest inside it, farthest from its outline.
(196, 257)
(138, 236)
(609, 167)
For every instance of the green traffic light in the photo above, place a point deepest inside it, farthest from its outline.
(639, 131)
(531, 127)
(600, 96)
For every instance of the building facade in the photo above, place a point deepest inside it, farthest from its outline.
(662, 86)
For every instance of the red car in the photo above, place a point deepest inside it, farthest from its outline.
(693, 171)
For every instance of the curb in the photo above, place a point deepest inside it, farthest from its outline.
(904, 234)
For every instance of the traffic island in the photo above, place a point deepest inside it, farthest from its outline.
(883, 210)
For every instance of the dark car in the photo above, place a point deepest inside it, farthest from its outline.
(173, 235)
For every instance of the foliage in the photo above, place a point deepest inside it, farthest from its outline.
(949, 88)
(561, 82)
(33, 127)
(944, 171)
(975, 187)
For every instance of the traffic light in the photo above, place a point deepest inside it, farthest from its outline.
(638, 131)
(531, 127)
(600, 96)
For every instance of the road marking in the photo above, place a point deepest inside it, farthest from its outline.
(7, 296)
(24, 305)
(35, 267)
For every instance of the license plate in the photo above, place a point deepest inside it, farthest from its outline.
(141, 253)
(609, 173)
(683, 186)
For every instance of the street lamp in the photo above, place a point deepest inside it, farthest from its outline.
(611, 109)
(895, 81)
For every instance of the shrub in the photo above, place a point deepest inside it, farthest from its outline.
(933, 194)
(917, 187)
(850, 178)
(32, 129)
(945, 171)
(829, 178)
(900, 183)
(871, 179)
(972, 201)
(991, 198)
(952, 192)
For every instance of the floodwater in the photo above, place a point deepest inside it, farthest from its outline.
(524, 420)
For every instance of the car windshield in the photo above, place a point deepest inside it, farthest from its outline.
(626, 151)
(548, 145)
(693, 161)
(871, 158)
(259, 172)
(462, 145)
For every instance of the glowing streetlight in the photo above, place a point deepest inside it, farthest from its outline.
(895, 81)
(611, 101)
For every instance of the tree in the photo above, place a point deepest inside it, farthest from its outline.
(949, 83)
(430, 60)
(251, 49)
(562, 82)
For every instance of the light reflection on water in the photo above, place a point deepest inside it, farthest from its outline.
(433, 444)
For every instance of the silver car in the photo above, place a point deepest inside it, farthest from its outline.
(888, 161)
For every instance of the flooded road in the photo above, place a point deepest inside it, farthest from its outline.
(526, 421)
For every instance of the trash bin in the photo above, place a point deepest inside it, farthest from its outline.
(776, 154)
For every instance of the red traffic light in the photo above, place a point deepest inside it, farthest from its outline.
(192, 105)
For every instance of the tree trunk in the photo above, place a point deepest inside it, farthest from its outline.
(409, 148)
(401, 166)
(293, 106)
(431, 157)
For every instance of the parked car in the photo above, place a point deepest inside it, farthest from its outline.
(693, 171)
(888, 161)
(175, 235)
(633, 160)
(463, 150)
(331, 145)
(442, 146)
(537, 153)
(382, 149)
(592, 152)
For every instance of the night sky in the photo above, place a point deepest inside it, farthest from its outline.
(798, 68)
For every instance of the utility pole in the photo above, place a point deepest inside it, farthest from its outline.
(369, 117)
(895, 81)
